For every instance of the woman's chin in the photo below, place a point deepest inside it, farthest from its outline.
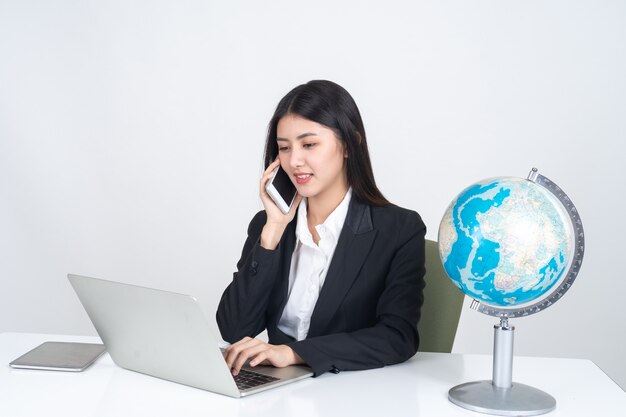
(306, 192)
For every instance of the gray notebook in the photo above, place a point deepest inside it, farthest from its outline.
(60, 356)
(166, 335)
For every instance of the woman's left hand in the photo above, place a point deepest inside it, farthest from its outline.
(259, 353)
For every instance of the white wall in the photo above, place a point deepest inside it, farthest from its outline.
(131, 135)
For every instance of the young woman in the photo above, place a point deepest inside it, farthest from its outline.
(337, 282)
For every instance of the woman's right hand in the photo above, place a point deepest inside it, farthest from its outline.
(277, 221)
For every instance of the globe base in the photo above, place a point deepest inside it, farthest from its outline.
(517, 400)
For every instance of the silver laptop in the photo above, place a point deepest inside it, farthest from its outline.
(166, 335)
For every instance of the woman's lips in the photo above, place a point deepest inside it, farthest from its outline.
(303, 178)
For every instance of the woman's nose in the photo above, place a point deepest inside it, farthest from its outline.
(296, 158)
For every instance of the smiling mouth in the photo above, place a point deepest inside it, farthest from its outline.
(304, 178)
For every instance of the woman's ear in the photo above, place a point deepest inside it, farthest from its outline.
(359, 140)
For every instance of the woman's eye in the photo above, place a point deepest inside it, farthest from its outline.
(282, 148)
(308, 145)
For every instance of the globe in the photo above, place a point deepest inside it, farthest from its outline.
(509, 242)
(515, 245)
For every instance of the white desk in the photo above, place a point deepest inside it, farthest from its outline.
(418, 387)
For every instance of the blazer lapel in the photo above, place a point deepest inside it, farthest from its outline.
(352, 249)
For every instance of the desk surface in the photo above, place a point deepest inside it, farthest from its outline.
(418, 387)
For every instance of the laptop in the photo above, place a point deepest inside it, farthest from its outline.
(166, 335)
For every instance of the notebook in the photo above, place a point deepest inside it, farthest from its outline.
(166, 335)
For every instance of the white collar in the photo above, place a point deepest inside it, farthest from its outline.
(332, 226)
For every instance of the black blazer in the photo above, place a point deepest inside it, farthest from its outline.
(368, 308)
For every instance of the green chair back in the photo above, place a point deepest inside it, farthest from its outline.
(442, 306)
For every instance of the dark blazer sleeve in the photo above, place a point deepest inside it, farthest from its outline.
(242, 310)
(392, 335)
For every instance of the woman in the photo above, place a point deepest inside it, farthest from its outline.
(337, 282)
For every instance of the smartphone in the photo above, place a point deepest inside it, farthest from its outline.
(281, 190)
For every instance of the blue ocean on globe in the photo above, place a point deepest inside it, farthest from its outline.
(505, 241)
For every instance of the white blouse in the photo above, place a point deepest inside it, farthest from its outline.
(309, 266)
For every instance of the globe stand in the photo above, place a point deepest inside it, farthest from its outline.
(501, 396)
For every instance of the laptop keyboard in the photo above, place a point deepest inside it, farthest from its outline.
(248, 379)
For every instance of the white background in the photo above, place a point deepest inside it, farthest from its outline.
(132, 132)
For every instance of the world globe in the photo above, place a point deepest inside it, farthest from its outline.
(515, 245)
(510, 242)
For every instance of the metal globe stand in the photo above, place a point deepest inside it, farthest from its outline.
(501, 396)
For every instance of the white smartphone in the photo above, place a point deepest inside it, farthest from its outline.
(281, 190)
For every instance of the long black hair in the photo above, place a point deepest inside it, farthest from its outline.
(329, 104)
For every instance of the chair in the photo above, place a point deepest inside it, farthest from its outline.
(442, 306)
